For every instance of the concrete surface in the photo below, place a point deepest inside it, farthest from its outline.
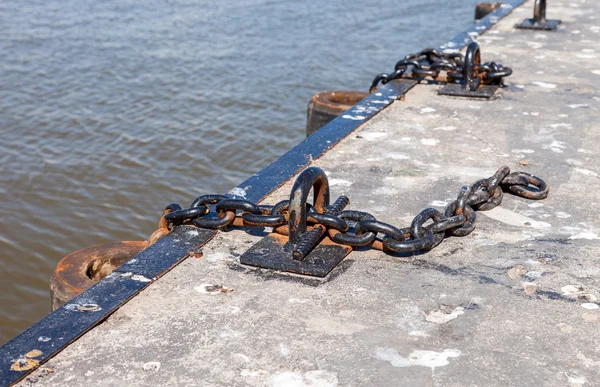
(513, 304)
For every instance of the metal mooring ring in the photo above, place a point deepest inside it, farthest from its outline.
(311, 178)
(539, 11)
(471, 67)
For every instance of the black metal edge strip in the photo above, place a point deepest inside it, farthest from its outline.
(68, 323)
(290, 163)
(50, 335)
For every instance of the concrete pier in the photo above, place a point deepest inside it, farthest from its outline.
(513, 304)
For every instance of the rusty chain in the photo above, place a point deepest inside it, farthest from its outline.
(431, 62)
(357, 228)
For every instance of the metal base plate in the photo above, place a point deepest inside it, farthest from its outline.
(270, 253)
(528, 24)
(457, 90)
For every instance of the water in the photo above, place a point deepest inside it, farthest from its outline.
(110, 110)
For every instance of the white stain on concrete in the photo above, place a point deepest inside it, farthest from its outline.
(372, 136)
(522, 151)
(212, 289)
(586, 172)
(535, 46)
(442, 316)
(580, 232)
(427, 110)
(578, 105)
(417, 358)
(430, 141)
(340, 182)
(228, 309)
(562, 215)
(318, 378)
(535, 205)
(439, 203)
(590, 306)
(585, 235)
(215, 257)
(578, 292)
(561, 125)
(398, 156)
(574, 162)
(298, 300)
(555, 146)
(586, 56)
(596, 72)
(151, 366)
(253, 373)
(418, 333)
(512, 218)
(445, 128)
(576, 380)
(354, 118)
(544, 85)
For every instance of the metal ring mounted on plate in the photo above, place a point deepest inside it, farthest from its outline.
(311, 178)
(539, 11)
(471, 67)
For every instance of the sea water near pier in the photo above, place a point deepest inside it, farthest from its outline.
(110, 110)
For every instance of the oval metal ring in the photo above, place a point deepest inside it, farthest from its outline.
(469, 224)
(541, 191)
(410, 245)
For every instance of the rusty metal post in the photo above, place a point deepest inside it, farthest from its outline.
(327, 105)
(484, 9)
(80, 270)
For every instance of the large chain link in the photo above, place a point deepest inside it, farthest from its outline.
(431, 62)
(357, 228)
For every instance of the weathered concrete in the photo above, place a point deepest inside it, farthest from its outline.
(513, 304)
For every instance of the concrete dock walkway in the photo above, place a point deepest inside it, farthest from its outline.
(513, 304)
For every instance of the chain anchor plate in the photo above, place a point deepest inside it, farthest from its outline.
(471, 84)
(305, 250)
(539, 21)
(313, 239)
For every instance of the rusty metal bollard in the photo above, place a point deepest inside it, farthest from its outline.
(80, 270)
(327, 105)
(484, 9)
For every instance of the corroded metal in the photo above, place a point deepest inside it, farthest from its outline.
(539, 21)
(80, 270)
(327, 105)
(305, 224)
(465, 74)
(474, 79)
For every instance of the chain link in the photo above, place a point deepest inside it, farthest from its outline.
(358, 228)
(431, 62)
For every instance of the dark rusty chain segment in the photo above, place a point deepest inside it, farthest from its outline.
(431, 63)
(306, 224)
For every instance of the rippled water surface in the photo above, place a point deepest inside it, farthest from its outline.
(111, 109)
